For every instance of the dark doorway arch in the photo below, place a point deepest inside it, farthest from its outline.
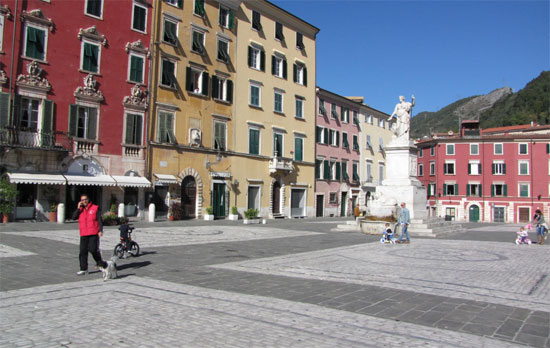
(188, 197)
(276, 198)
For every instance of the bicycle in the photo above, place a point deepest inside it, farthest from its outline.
(121, 247)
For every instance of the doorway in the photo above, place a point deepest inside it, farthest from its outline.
(343, 204)
(297, 202)
(188, 197)
(524, 215)
(320, 202)
(130, 201)
(498, 214)
(218, 199)
(474, 213)
(276, 198)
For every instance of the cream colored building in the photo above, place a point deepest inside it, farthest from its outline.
(272, 167)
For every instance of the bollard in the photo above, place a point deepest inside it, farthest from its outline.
(121, 210)
(152, 212)
(60, 213)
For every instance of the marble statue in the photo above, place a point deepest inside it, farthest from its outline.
(402, 113)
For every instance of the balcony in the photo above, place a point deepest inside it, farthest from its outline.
(33, 139)
(280, 164)
(133, 151)
(85, 146)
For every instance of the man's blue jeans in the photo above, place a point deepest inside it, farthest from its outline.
(404, 232)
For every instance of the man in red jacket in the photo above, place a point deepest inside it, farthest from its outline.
(91, 228)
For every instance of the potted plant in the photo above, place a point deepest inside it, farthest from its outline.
(175, 212)
(209, 213)
(234, 214)
(53, 212)
(7, 199)
(251, 216)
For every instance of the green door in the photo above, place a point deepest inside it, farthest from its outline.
(474, 213)
(218, 199)
(343, 204)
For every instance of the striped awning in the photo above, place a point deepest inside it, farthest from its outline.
(34, 178)
(88, 180)
(165, 179)
(131, 181)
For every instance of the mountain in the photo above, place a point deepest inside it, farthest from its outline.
(501, 107)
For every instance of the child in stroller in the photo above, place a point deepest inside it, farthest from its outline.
(387, 235)
(523, 235)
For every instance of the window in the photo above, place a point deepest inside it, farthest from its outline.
(94, 8)
(299, 41)
(450, 149)
(432, 151)
(170, 31)
(499, 168)
(333, 112)
(197, 43)
(83, 122)
(333, 197)
(449, 168)
(369, 171)
(498, 149)
(369, 119)
(523, 189)
(431, 190)
(355, 118)
(369, 142)
(321, 135)
(345, 115)
(90, 57)
(165, 132)
(499, 190)
(35, 42)
(474, 149)
(322, 109)
(523, 149)
(277, 144)
(474, 168)
(139, 18)
(253, 141)
(420, 169)
(380, 173)
(256, 58)
(199, 8)
(134, 126)
(256, 21)
(298, 148)
(177, 3)
(255, 94)
(136, 68)
(450, 189)
(279, 31)
(345, 175)
(345, 143)
(227, 17)
(381, 122)
(420, 153)
(278, 66)
(333, 135)
(253, 197)
(168, 76)
(28, 118)
(219, 141)
(355, 142)
(334, 169)
(381, 144)
(432, 168)
(299, 107)
(355, 171)
(523, 167)
(222, 89)
(300, 74)
(318, 164)
(223, 50)
(473, 190)
(278, 101)
(196, 81)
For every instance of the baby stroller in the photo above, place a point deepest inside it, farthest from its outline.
(523, 235)
(387, 237)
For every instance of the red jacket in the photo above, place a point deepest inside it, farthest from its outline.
(88, 221)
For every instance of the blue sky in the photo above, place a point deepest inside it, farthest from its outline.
(440, 51)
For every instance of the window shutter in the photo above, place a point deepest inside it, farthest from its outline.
(273, 62)
(317, 169)
(444, 189)
(304, 69)
(318, 131)
(92, 123)
(188, 79)
(456, 189)
(467, 189)
(73, 114)
(480, 191)
(479, 168)
(295, 72)
(39, 44)
(129, 129)
(4, 109)
(469, 168)
(47, 116)
(214, 87)
(137, 129)
(250, 52)
(161, 131)
(298, 148)
(262, 60)
(548, 148)
(180, 3)
(229, 92)
(338, 171)
(505, 190)
(231, 23)
(325, 131)
(285, 68)
(326, 169)
(337, 138)
(205, 78)
(492, 190)
(504, 168)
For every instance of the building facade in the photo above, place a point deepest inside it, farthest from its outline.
(491, 175)
(73, 106)
(337, 162)
(272, 167)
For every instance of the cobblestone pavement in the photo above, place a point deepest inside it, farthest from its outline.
(290, 283)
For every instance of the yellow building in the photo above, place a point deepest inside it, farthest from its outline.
(192, 112)
(273, 164)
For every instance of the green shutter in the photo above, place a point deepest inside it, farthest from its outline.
(317, 169)
(305, 75)
(231, 23)
(480, 191)
(229, 93)
(444, 189)
(456, 190)
(548, 148)
(250, 53)
(254, 141)
(326, 169)
(504, 168)
(285, 68)
(469, 168)
(338, 171)
(494, 168)
(129, 137)
(47, 124)
(188, 79)
(295, 67)
(73, 119)
(262, 60)
(92, 124)
(214, 87)
(492, 190)
(467, 189)
(318, 131)
(505, 190)
(325, 131)
(4, 109)
(136, 69)
(337, 138)
(180, 3)
(298, 148)
(161, 131)
(273, 64)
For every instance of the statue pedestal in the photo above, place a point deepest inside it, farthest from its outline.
(401, 184)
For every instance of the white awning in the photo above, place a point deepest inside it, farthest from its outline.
(166, 179)
(100, 180)
(131, 181)
(32, 178)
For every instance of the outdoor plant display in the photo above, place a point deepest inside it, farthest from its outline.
(176, 211)
(7, 198)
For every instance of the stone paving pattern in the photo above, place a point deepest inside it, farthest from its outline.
(290, 283)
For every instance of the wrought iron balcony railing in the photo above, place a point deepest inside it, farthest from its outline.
(30, 138)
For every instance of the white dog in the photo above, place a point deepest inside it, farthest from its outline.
(110, 272)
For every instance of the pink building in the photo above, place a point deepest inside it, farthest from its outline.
(492, 175)
(73, 102)
(337, 154)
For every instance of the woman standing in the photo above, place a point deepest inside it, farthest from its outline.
(538, 221)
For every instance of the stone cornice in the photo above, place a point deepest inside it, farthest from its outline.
(137, 100)
(137, 46)
(89, 91)
(37, 17)
(32, 80)
(91, 33)
(5, 11)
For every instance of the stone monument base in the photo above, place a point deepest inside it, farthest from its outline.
(413, 196)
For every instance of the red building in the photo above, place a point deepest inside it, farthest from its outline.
(73, 105)
(492, 175)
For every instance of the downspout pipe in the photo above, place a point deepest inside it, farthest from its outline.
(11, 108)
